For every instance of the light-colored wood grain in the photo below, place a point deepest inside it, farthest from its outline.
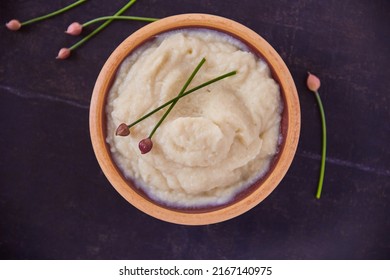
(290, 123)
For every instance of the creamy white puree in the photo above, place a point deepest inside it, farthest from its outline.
(216, 141)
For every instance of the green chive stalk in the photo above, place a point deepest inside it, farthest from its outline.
(323, 153)
(146, 19)
(180, 94)
(102, 26)
(57, 12)
(314, 83)
(183, 95)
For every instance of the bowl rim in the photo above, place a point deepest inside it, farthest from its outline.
(291, 111)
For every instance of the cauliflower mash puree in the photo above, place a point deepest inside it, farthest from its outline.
(217, 140)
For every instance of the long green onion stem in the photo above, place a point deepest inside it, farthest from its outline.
(57, 12)
(323, 156)
(102, 26)
(181, 96)
(147, 19)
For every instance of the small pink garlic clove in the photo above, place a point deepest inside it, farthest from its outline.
(64, 53)
(145, 145)
(13, 25)
(122, 130)
(74, 29)
(313, 82)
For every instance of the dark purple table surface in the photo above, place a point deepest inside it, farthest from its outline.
(55, 202)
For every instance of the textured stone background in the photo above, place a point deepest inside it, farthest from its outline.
(55, 203)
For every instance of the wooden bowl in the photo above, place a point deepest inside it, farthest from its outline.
(290, 124)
